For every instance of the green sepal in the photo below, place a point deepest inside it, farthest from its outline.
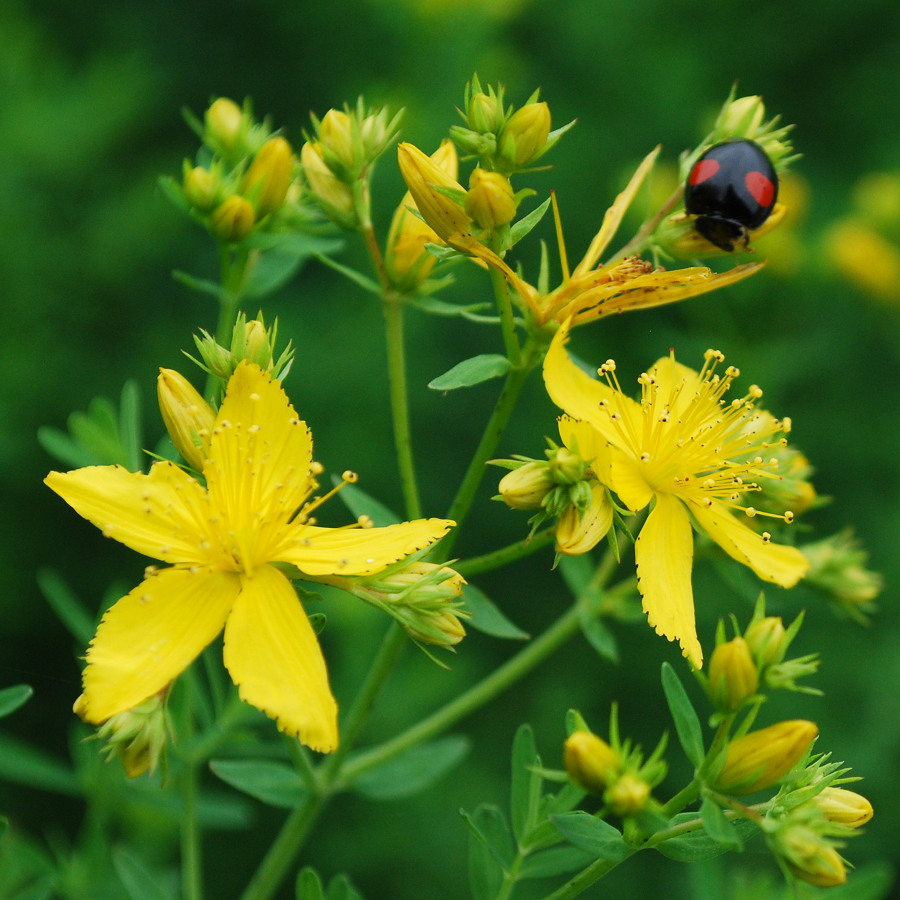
(687, 722)
(273, 783)
(471, 371)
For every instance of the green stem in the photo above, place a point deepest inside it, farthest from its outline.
(507, 317)
(586, 877)
(396, 358)
(191, 866)
(505, 555)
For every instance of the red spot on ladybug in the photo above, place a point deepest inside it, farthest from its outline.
(731, 189)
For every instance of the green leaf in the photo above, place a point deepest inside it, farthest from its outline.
(524, 225)
(697, 845)
(438, 307)
(340, 888)
(491, 850)
(598, 635)
(61, 447)
(717, 825)
(12, 698)
(414, 770)
(24, 763)
(471, 371)
(554, 861)
(139, 882)
(4, 824)
(309, 885)
(274, 783)
(130, 425)
(278, 264)
(687, 723)
(357, 278)
(577, 572)
(525, 788)
(67, 606)
(361, 503)
(487, 617)
(201, 285)
(592, 835)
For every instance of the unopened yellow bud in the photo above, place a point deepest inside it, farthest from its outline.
(847, 807)
(628, 796)
(484, 113)
(257, 345)
(733, 677)
(490, 200)
(224, 122)
(579, 531)
(766, 639)
(269, 176)
(810, 857)
(444, 629)
(526, 487)
(590, 761)
(200, 188)
(322, 183)
(524, 135)
(232, 220)
(742, 118)
(761, 758)
(336, 137)
(189, 419)
(422, 174)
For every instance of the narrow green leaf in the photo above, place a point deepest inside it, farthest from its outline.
(130, 430)
(487, 617)
(687, 723)
(340, 888)
(485, 870)
(471, 371)
(274, 783)
(12, 698)
(24, 763)
(309, 885)
(717, 825)
(201, 285)
(697, 845)
(357, 278)
(61, 447)
(283, 256)
(598, 635)
(592, 835)
(525, 785)
(554, 861)
(361, 503)
(67, 606)
(438, 307)
(492, 830)
(414, 770)
(138, 881)
(524, 225)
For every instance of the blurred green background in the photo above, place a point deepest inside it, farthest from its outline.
(90, 99)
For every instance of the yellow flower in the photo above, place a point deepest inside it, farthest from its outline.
(221, 542)
(686, 451)
(593, 291)
(847, 807)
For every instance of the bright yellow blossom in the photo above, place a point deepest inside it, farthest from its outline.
(687, 452)
(221, 542)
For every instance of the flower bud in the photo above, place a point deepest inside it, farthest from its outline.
(733, 677)
(810, 857)
(443, 629)
(741, 118)
(189, 419)
(490, 200)
(566, 466)
(524, 136)
(581, 529)
(590, 761)
(421, 174)
(484, 112)
(838, 568)
(526, 487)
(332, 194)
(200, 188)
(232, 220)
(628, 796)
(761, 758)
(767, 640)
(336, 137)
(269, 176)
(843, 806)
(224, 126)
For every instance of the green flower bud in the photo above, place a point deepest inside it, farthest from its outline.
(628, 796)
(733, 677)
(767, 640)
(526, 486)
(484, 113)
(810, 857)
(524, 136)
(200, 188)
(225, 127)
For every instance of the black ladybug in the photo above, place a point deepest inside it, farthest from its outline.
(731, 188)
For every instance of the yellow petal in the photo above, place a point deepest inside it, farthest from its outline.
(575, 391)
(274, 658)
(578, 533)
(613, 216)
(358, 551)
(778, 563)
(628, 481)
(664, 553)
(260, 451)
(589, 443)
(161, 515)
(150, 636)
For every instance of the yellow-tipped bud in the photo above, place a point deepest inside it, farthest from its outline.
(257, 345)
(334, 196)
(742, 118)
(232, 220)
(422, 175)
(810, 857)
(442, 629)
(843, 806)
(526, 487)
(766, 639)
(761, 758)
(336, 136)
(484, 113)
(269, 176)
(524, 136)
(580, 530)
(733, 676)
(200, 188)
(590, 761)
(225, 127)
(490, 200)
(628, 796)
(189, 419)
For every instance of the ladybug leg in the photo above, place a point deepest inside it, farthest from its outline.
(726, 234)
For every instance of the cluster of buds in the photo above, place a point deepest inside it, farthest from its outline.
(337, 160)
(838, 569)
(138, 736)
(561, 487)
(244, 177)
(423, 597)
(504, 139)
(615, 771)
(250, 340)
